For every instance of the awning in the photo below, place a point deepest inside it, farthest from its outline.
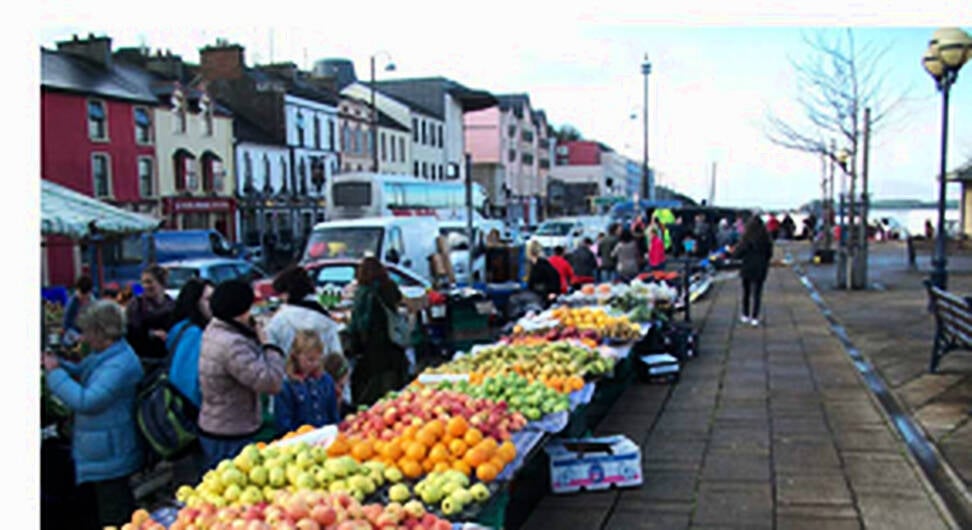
(69, 213)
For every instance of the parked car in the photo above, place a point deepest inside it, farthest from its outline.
(216, 270)
(341, 272)
(126, 258)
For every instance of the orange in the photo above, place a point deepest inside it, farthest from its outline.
(362, 451)
(305, 428)
(458, 447)
(339, 446)
(507, 451)
(489, 444)
(457, 426)
(415, 451)
(410, 432)
(393, 449)
(261, 445)
(473, 436)
(410, 468)
(475, 457)
(487, 472)
(427, 466)
(462, 467)
(441, 467)
(497, 462)
(437, 427)
(427, 437)
(439, 453)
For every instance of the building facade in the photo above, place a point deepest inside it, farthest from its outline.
(354, 124)
(95, 138)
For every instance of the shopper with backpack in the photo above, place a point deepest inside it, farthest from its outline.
(755, 250)
(100, 391)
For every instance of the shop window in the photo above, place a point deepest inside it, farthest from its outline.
(97, 120)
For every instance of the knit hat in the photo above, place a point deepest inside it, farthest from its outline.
(231, 299)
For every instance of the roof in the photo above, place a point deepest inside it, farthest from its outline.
(294, 86)
(429, 94)
(245, 130)
(69, 213)
(516, 102)
(62, 71)
(388, 122)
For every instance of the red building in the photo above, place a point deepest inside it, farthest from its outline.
(96, 138)
(579, 153)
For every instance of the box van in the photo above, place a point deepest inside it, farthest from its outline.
(405, 241)
(455, 233)
(124, 260)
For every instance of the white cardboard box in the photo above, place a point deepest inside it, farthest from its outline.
(593, 463)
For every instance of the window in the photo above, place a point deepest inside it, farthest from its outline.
(317, 132)
(345, 138)
(212, 172)
(146, 178)
(101, 175)
(184, 165)
(401, 148)
(358, 142)
(527, 158)
(544, 163)
(424, 135)
(97, 120)
(247, 174)
(415, 168)
(391, 142)
(383, 147)
(512, 155)
(283, 175)
(441, 174)
(440, 136)
(415, 130)
(302, 176)
(143, 126)
(512, 131)
(425, 170)
(528, 136)
(267, 188)
(330, 133)
(300, 128)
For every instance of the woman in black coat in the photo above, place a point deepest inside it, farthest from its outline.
(544, 280)
(755, 250)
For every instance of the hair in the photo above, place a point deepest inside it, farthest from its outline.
(336, 365)
(755, 231)
(559, 250)
(534, 249)
(159, 273)
(626, 235)
(84, 284)
(187, 303)
(104, 318)
(295, 281)
(305, 340)
(370, 270)
(125, 295)
(584, 242)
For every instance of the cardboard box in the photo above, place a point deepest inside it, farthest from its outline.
(658, 368)
(593, 463)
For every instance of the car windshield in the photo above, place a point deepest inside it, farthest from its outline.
(344, 242)
(554, 229)
(178, 276)
(343, 274)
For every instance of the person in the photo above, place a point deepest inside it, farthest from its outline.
(82, 296)
(787, 227)
(340, 371)
(604, 251)
(308, 396)
(773, 226)
(628, 256)
(677, 234)
(149, 315)
(493, 239)
(382, 365)
(192, 314)
(100, 391)
(582, 259)
(544, 280)
(809, 227)
(236, 365)
(641, 241)
(754, 250)
(656, 249)
(566, 272)
(725, 237)
(300, 310)
(703, 236)
(929, 229)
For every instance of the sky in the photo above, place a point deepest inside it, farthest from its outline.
(715, 76)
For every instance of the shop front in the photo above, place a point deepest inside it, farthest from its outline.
(202, 213)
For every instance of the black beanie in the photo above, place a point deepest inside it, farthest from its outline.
(231, 299)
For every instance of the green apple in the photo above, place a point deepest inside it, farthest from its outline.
(431, 494)
(258, 475)
(449, 487)
(277, 477)
(323, 476)
(304, 459)
(376, 477)
(459, 477)
(232, 492)
(479, 492)
(251, 495)
(450, 506)
(399, 493)
(393, 474)
(415, 508)
(224, 465)
(184, 492)
(306, 481)
(338, 486)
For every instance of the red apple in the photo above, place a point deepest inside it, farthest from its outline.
(307, 524)
(324, 515)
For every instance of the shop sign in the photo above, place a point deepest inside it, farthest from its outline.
(201, 205)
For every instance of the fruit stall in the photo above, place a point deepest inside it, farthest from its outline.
(459, 447)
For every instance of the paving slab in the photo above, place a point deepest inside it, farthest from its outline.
(829, 489)
(745, 504)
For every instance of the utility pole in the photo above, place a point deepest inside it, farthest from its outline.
(712, 187)
(648, 187)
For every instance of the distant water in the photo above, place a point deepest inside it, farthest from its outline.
(914, 218)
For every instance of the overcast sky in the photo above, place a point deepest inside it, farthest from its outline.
(714, 76)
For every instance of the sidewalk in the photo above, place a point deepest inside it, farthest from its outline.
(769, 428)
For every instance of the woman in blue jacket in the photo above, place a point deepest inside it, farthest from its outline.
(191, 315)
(100, 390)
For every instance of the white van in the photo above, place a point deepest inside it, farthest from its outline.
(405, 241)
(455, 233)
(562, 231)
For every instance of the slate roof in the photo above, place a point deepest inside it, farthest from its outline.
(295, 87)
(428, 94)
(245, 130)
(61, 71)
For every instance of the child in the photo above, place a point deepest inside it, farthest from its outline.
(337, 367)
(308, 396)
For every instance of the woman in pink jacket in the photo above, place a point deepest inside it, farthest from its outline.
(656, 249)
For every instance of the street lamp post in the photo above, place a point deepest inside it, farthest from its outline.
(948, 50)
(648, 187)
(389, 67)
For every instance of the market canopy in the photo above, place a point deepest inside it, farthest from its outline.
(69, 213)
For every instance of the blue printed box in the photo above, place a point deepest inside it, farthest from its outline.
(593, 463)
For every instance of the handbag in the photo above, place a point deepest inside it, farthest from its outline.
(398, 328)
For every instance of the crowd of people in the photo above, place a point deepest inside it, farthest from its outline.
(223, 361)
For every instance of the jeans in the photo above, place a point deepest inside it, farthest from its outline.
(216, 450)
(606, 275)
(754, 288)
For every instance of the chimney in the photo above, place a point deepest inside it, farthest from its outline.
(168, 66)
(96, 50)
(222, 61)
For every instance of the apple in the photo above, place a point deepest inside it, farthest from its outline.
(296, 509)
(307, 524)
(479, 492)
(414, 508)
(324, 515)
(451, 506)
(393, 474)
(431, 494)
(399, 493)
